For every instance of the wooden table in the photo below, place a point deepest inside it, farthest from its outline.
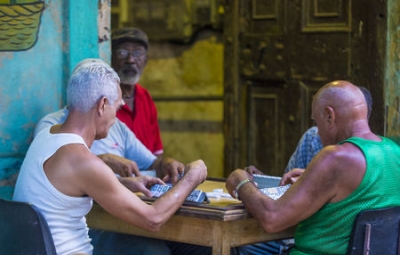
(221, 224)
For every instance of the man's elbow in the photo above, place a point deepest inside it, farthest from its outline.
(154, 228)
(270, 228)
(155, 223)
(272, 224)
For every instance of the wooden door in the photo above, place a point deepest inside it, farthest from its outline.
(278, 53)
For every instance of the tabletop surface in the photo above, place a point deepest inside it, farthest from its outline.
(223, 209)
(221, 224)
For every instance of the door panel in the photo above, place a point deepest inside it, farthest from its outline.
(287, 50)
(264, 119)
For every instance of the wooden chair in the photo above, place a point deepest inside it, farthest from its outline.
(376, 232)
(24, 230)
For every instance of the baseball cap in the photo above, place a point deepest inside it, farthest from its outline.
(129, 34)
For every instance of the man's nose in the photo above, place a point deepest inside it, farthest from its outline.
(130, 58)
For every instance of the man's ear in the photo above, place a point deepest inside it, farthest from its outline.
(330, 116)
(101, 106)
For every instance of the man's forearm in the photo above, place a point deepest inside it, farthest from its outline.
(119, 165)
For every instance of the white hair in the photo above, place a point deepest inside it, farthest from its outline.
(91, 80)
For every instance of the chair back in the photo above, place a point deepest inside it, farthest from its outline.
(24, 230)
(376, 232)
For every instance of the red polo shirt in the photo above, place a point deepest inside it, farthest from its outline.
(143, 120)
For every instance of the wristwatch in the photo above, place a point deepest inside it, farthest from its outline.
(236, 190)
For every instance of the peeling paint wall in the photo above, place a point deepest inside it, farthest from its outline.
(32, 81)
(186, 82)
(392, 93)
(184, 73)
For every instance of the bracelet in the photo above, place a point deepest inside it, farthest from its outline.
(236, 191)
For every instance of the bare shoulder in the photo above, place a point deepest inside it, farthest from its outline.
(79, 158)
(77, 150)
(72, 167)
(341, 167)
(342, 157)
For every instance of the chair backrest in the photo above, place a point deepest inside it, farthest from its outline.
(24, 230)
(376, 232)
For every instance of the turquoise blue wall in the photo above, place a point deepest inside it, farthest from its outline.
(32, 81)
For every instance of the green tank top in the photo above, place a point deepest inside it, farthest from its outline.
(328, 230)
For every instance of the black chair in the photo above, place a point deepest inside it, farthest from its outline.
(376, 232)
(24, 230)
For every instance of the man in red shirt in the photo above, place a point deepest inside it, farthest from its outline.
(129, 57)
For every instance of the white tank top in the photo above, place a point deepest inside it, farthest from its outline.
(65, 215)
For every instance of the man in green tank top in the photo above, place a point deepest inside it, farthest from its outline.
(355, 171)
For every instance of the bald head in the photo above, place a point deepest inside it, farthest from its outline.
(337, 106)
(344, 97)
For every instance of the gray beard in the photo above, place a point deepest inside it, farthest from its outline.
(130, 80)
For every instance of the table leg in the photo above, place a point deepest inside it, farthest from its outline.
(221, 244)
(224, 249)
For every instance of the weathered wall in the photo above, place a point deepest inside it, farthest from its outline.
(184, 73)
(32, 80)
(392, 93)
(186, 82)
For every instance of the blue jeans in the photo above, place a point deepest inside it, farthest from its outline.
(267, 248)
(111, 243)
